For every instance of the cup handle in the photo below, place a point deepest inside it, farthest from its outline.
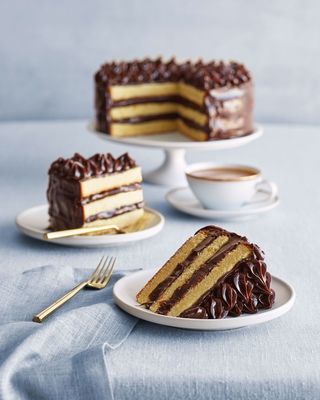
(268, 187)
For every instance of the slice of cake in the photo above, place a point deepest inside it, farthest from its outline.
(204, 101)
(100, 190)
(214, 274)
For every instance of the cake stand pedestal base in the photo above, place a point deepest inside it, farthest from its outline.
(171, 171)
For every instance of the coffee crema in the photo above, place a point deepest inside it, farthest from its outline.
(225, 173)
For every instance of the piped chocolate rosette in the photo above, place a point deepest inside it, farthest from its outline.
(95, 191)
(214, 274)
(203, 101)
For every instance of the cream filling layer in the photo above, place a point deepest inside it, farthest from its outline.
(122, 221)
(192, 133)
(112, 202)
(140, 110)
(159, 126)
(125, 92)
(107, 182)
(143, 128)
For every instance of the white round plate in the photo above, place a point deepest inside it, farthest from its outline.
(184, 200)
(34, 223)
(125, 290)
(175, 140)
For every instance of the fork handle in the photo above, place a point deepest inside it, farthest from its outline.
(58, 303)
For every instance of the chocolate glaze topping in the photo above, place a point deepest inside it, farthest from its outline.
(79, 167)
(205, 76)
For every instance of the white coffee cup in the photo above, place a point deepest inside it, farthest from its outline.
(225, 187)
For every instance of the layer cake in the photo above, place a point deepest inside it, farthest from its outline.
(100, 190)
(214, 274)
(204, 101)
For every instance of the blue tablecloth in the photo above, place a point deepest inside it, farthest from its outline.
(66, 356)
(280, 359)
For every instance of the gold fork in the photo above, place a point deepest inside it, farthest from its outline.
(97, 280)
(82, 231)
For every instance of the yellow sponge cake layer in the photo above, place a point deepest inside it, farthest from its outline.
(122, 220)
(125, 92)
(143, 128)
(191, 132)
(147, 109)
(99, 184)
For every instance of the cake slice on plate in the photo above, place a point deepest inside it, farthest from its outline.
(214, 274)
(95, 191)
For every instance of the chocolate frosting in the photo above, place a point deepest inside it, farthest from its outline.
(79, 167)
(205, 76)
(246, 289)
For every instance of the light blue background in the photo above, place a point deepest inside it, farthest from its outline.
(49, 49)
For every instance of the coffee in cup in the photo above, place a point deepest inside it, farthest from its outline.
(224, 187)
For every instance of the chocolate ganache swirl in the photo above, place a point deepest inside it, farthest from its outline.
(246, 289)
(203, 75)
(79, 167)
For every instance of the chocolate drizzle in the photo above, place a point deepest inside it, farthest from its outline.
(79, 167)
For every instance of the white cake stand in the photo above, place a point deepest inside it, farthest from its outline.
(175, 145)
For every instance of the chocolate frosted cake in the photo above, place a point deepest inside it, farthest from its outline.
(214, 274)
(100, 190)
(204, 101)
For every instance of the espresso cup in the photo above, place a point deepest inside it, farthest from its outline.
(226, 187)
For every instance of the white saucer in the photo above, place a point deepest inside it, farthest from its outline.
(125, 290)
(34, 222)
(184, 200)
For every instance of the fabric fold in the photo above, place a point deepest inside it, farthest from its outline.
(64, 357)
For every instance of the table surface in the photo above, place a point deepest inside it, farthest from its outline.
(279, 359)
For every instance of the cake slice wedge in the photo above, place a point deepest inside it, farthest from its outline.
(215, 273)
(95, 191)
